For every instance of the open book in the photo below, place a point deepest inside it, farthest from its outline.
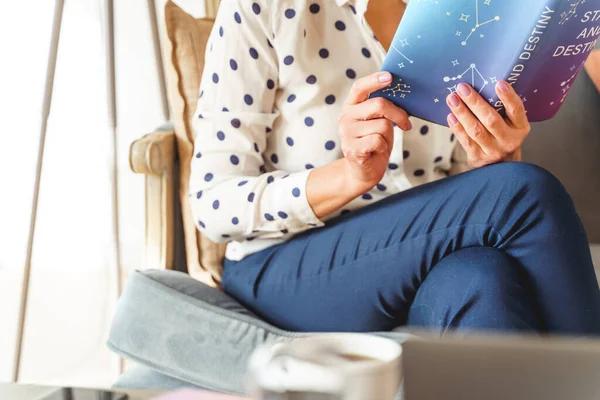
(538, 46)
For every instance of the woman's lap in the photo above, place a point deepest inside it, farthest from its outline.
(362, 271)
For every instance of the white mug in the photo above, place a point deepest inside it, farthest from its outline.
(342, 366)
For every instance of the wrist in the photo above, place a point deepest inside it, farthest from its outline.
(332, 186)
(351, 186)
(516, 156)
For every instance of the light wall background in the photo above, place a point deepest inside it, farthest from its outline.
(72, 290)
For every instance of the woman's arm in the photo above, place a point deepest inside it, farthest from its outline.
(592, 66)
(232, 196)
(330, 187)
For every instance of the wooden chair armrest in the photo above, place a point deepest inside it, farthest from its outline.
(154, 156)
(153, 153)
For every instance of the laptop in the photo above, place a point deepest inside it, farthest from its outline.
(501, 368)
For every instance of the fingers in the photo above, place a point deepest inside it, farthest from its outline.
(363, 87)
(485, 135)
(471, 124)
(381, 128)
(371, 127)
(471, 147)
(481, 109)
(381, 108)
(515, 109)
(371, 144)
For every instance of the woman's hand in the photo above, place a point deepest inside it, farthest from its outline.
(486, 136)
(367, 138)
(366, 130)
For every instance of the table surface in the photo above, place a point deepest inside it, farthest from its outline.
(14, 391)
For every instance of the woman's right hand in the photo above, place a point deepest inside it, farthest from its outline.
(366, 130)
(367, 139)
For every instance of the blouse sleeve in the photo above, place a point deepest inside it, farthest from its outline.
(233, 197)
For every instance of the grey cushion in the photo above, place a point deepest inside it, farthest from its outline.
(138, 376)
(179, 327)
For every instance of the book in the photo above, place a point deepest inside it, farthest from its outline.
(538, 46)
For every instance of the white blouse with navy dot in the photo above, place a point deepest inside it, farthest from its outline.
(276, 75)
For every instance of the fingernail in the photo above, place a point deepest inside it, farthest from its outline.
(385, 77)
(452, 119)
(454, 100)
(463, 89)
(503, 86)
(408, 126)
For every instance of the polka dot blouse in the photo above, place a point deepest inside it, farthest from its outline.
(275, 78)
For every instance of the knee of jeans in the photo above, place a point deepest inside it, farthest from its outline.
(535, 182)
(482, 269)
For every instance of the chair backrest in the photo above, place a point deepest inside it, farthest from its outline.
(185, 47)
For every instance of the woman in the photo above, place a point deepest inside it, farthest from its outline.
(334, 206)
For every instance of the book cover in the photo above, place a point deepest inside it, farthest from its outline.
(538, 46)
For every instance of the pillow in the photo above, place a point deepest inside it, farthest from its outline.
(182, 328)
(185, 47)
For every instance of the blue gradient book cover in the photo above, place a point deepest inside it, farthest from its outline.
(538, 46)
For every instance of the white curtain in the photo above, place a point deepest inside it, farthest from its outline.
(72, 289)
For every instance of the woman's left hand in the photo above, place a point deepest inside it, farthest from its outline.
(486, 136)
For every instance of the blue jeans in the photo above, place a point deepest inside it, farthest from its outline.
(498, 248)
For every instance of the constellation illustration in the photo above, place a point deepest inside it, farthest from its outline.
(567, 82)
(475, 76)
(401, 88)
(478, 24)
(403, 43)
(567, 15)
(566, 85)
(573, 68)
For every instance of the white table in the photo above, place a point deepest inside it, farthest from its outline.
(14, 391)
